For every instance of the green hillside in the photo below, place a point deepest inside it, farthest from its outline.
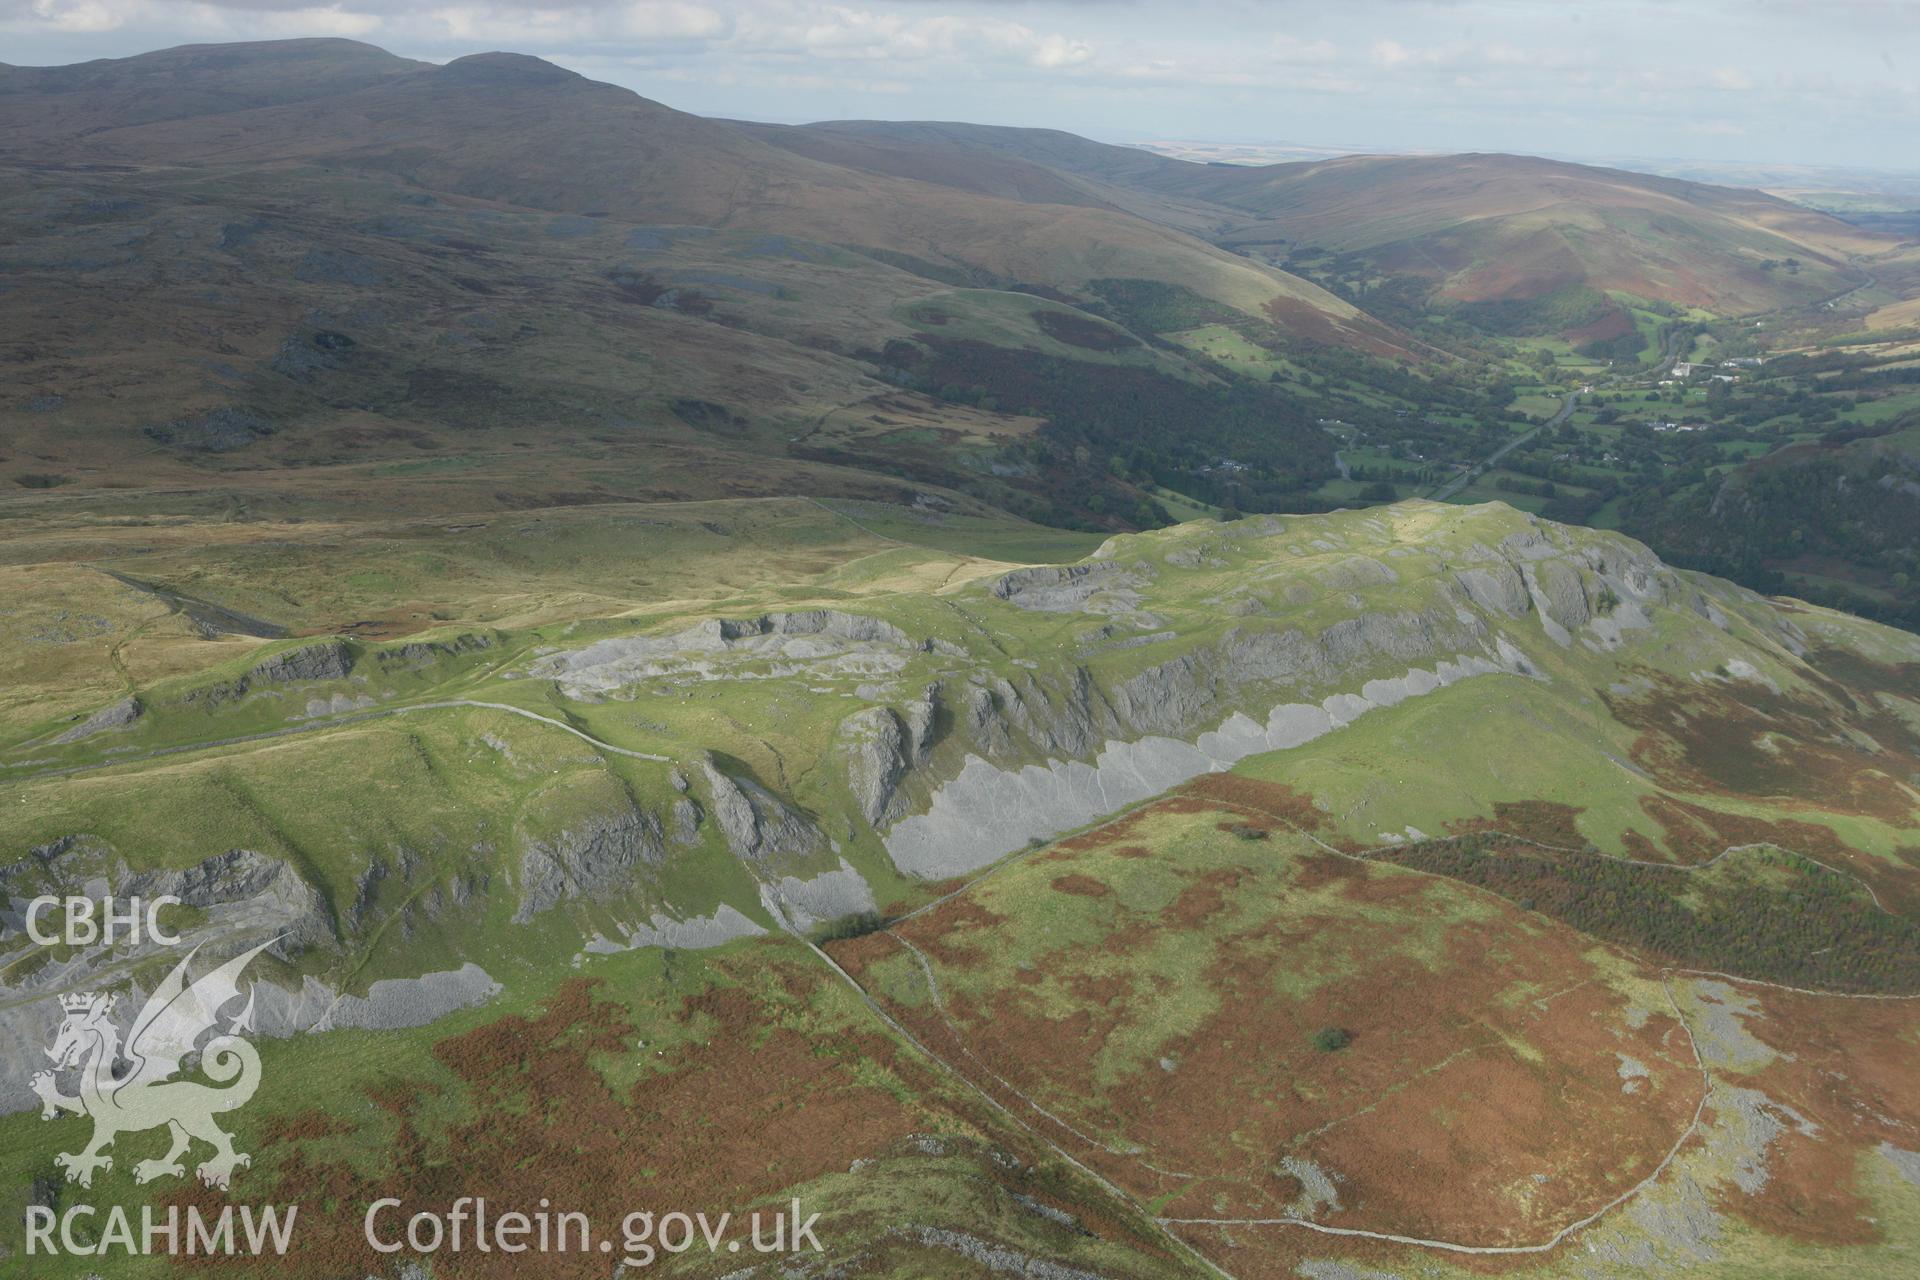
(1204, 794)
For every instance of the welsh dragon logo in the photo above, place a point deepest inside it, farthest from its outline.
(132, 1089)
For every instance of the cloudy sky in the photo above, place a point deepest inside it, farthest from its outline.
(1832, 82)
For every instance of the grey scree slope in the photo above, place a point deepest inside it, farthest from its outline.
(987, 812)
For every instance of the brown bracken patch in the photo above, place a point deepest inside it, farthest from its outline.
(303, 1126)
(1080, 886)
(1846, 1068)
(743, 1111)
(1430, 1117)
(1744, 739)
(1123, 827)
(1205, 897)
(1275, 799)
(1539, 820)
(1696, 833)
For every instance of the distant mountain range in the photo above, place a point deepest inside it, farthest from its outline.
(314, 253)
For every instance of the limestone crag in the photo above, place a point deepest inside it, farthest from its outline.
(597, 857)
(988, 811)
(824, 641)
(116, 715)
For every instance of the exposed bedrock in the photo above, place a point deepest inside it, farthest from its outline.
(760, 827)
(1096, 587)
(1564, 595)
(1592, 590)
(1498, 589)
(239, 892)
(323, 660)
(880, 746)
(804, 903)
(988, 811)
(29, 1027)
(693, 934)
(1184, 693)
(875, 743)
(1025, 715)
(824, 641)
(116, 716)
(415, 655)
(390, 1003)
(597, 857)
(231, 901)
(327, 660)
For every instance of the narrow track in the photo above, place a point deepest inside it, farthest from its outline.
(331, 722)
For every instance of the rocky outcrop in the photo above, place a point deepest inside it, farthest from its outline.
(238, 893)
(695, 934)
(117, 716)
(987, 812)
(982, 724)
(327, 660)
(878, 754)
(760, 827)
(239, 898)
(1006, 718)
(830, 623)
(1097, 587)
(686, 817)
(277, 1012)
(596, 858)
(417, 654)
(1564, 593)
(1499, 589)
(1170, 696)
(1182, 694)
(246, 890)
(1592, 590)
(817, 642)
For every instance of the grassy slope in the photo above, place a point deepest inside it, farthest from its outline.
(437, 782)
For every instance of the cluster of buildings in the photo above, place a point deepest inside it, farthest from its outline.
(1686, 368)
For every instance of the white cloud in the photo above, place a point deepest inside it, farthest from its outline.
(1391, 53)
(1059, 51)
(845, 32)
(79, 15)
(332, 20)
(511, 26)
